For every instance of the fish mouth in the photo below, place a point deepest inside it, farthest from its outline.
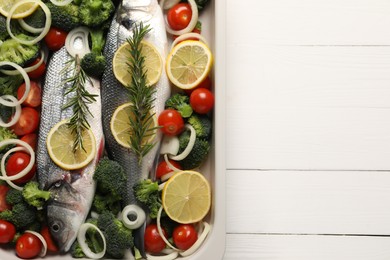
(132, 12)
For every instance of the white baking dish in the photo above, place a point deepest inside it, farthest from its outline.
(213, 29)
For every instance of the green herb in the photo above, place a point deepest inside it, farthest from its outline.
(141, 97)
(79, 103)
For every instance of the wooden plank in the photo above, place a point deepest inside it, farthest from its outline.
(308, 202)
(308, 107)
(275, 247)
(309, 22)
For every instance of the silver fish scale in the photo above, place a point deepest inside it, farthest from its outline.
(114, 94)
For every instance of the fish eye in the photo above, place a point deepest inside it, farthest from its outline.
(55, 227)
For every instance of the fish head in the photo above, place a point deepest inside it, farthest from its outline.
(132, 12)
(64, 214)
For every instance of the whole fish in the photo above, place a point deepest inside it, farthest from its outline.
(72, 191)
(130, 14)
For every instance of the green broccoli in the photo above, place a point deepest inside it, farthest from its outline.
(21, 215)
(64, 17)
(94, 241)
(14, 196)
(103, 202)
(147, 192)
(118, 237)
(198, 153)
(202, 125)
(21, 54)
(3, 28)
(94, 63)
(94, 13)
(9, 84)
(6, 134)
(36, 19)
(181, 103)
(34, 196)
(76, 251)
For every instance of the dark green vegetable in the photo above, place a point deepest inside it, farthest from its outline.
(146, 192)
(181, 103)
(64, 17)
(9, 84)
(6, 134)
(94, 63)
(36, 19)
(21, 54)
(14, 196)
(21, 215)
(94, 241)
(94, 13)
(202, 4)
(202, 125)
(34, 196)
(198, 153)
(3, 28)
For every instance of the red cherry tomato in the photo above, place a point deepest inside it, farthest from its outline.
(163, 168)
(184, 236)
(179, 16)
(153, 241)
(31, 139)
(7, 231)
(16, 163)
(171, 122)
(55, 39)
(28, 246)
(202, 100)
(51, 246)
(34, 97)
(27, 123)
(38, 72)
(3, 193)
(206, 83)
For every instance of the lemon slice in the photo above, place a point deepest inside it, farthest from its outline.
(186, 197)
(120, 126)
(59, 144)
(22, 11)
(153, 63)
(189, 63)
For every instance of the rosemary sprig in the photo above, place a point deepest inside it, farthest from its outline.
(79, 102)
(141, 96)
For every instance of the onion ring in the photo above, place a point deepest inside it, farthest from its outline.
(186, 36)
(16, 116)
(26, 81)
(189, 147)
(190, 26)
(44, 244)
(28, 69)
(84, 246)
(136, 211)
(61, 3)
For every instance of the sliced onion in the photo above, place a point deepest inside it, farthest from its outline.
(28, 69)
(170, 164)
(170, 256)
(168, 4)
(81, 237)
(77, 34)
(166, 176)
(45, 29)
(16, 116)
(44, 244)
(170, 145)
(28, 27)
(61, 3)
(135, 211)
(26, 81)
(199, 241)
(161, 232)
(25, 170)
(189, 147)
(190, 26)
(187, 36)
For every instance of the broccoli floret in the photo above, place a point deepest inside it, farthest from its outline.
(3, 28)
(21, 54)
(94, 13)
(198, 153)
(118, 237)
(93, 239)
(21, 215)
(6, 134)
(14, 196)
(34, 196)
(147, 192)
(202, 125)
(76, 251)
(36, 19)
(64, 17)
(181, 103)
(110, 177)
(93, 64)
(9, 84)
(103, 203)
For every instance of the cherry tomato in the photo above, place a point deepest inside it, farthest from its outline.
(153, 241)
(38, 72)
(202, 100)
(55, 39)
(163, 168)
(27, 123)
(16, 163)
(179, 16)
(3, 202)
(206, 83)
(197, 29)
(51, 246)
(184, 236)
(171, 122)
(7, 231)
(31, 139)
(28, 246)
(34, 96)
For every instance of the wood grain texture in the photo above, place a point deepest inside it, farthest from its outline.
(291, 247)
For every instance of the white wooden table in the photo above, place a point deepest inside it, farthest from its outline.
(308, 129)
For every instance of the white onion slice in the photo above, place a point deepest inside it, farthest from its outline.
(199, 241)
(187, 36)
(61, 3)
(25, 170)
(16, 116)
(44, 244)
(73, 46)
(190, 26)
(170, 164)
(189, 147)
(170, 145)
(160, 230)
(45, 29)
(166, 176)
(28, 69)
(28, 27)
(137, 212)
(170, 256)
(81, 236)
(26, 81)
(168, 4)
